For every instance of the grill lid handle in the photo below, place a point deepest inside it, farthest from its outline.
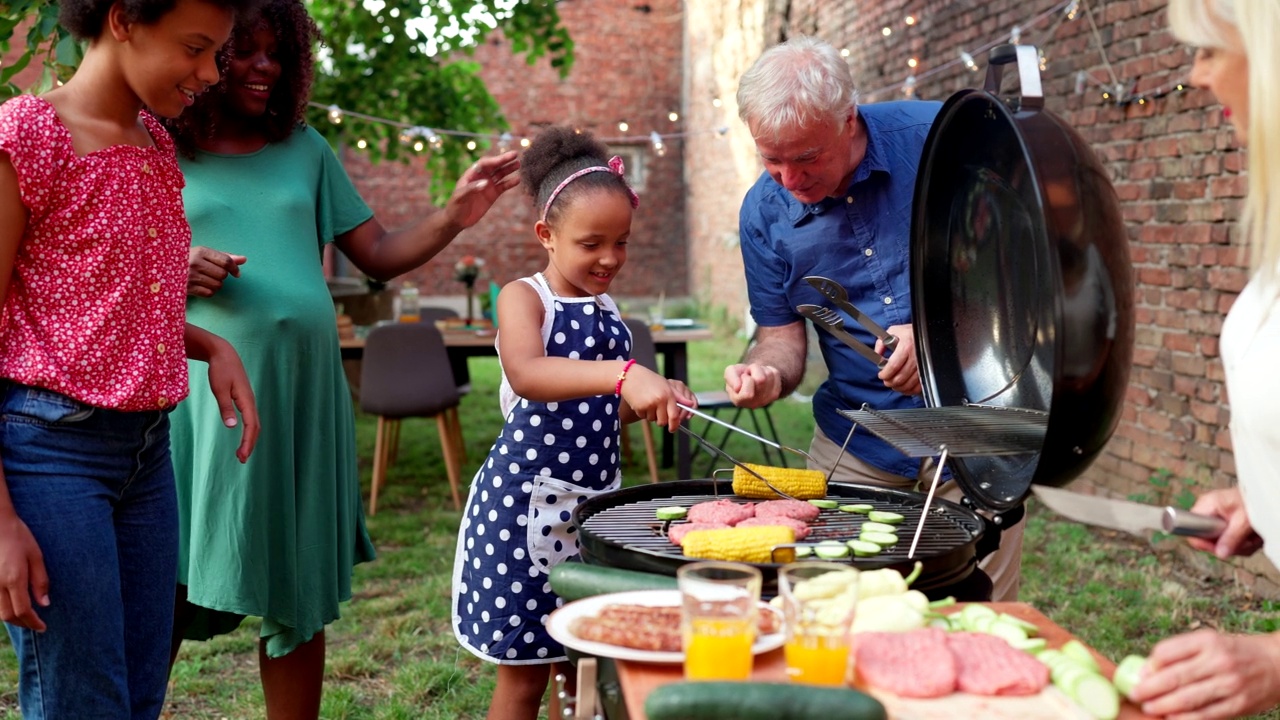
(1031, 94)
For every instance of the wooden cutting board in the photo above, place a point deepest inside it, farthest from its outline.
(639, 679)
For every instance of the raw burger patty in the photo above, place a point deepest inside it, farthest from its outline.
(800, 528)
(677, 531)
(795, 509)
(989, 666)
(721, 511)
(911, 664)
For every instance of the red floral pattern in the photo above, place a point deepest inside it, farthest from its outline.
(96, 303)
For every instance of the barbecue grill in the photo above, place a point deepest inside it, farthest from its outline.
(1023, 321)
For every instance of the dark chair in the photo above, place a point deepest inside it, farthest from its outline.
(406, 374)
(645, 355)
(713, 402)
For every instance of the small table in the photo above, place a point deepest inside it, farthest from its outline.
(671, 344)
(637, 680)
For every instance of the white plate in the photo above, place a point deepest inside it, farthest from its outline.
(560, 620)
(676, 323)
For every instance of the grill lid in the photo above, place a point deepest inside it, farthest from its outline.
(1021, 285)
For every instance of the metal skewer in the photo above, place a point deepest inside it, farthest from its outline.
(942, 462)
(735, 428)
(713, 449)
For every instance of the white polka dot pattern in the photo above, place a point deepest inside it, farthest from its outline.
(96, 308)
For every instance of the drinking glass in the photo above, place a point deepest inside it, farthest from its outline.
(819, 600)
(719, 604)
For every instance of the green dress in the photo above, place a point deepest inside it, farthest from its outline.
(278, 536)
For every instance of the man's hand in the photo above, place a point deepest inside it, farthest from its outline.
(901, 373)
(1238, 538)
(208, 268)
(480, 187)
(753, 385)
(1207, 675)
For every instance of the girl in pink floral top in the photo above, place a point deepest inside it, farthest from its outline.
(93, 348)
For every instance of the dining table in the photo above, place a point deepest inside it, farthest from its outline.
(671, 344)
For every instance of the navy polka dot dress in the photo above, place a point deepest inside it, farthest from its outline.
(549, 458)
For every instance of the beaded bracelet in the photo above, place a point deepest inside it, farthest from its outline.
(617, 390)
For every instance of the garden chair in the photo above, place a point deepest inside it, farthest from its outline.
(406, 373)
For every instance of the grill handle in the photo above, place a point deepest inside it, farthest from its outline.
(994, 527)
(1030, 93)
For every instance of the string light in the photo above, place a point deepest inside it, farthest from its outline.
(909, 86)
(659, 147)
(623, 126)
(471, 145)
(910, 20)
(844, 52)
(673, 116)
(912, 63)
(1015, 35)
(968, 61)
(504, 142)
(417, 145)
(335, 114)
(435, 141)
(1072, 9)
(887, 31)
(362, 144)
(715, 102)
(1044, 62)
(524, 142)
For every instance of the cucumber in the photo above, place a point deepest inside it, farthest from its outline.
(1029, 628)
(1077, 651)
(672, 513)
(1128, 673)
(879, 538)
(831, 550)
(862, 548)
(1094, 694)
(1008, 632)
(825, 504)
(759, 701)
(878, 527)
(860, 508)
(803, 551)
(1031, 645)
(973, 612)
(575, 580)
(884, 516)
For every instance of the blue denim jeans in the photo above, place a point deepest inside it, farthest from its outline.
(96, 489)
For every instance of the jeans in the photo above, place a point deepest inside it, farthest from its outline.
(96, 489)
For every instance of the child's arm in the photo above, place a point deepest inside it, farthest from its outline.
(22, 573)
(229, 382)
(382, 254)
(535, 376)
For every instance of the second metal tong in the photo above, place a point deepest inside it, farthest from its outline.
(730, 426)
(833, 323)
(716, 450)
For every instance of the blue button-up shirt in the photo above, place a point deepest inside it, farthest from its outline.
(861, 240)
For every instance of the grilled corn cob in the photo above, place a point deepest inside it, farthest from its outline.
(798, 483)
(749, 544)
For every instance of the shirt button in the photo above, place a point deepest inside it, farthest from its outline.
(888, 300)
(162, 402)
(848, 199)
(152, 232)
(160, 348)
(146, 168)
(155, 287)
(869, 252)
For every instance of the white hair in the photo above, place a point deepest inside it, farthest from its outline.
(1256, 26)
(795, 84)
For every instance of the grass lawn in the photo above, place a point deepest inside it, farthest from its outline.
(393, 656)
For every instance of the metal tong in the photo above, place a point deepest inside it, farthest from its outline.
(715, 450)
(748, 433)
(831, 321)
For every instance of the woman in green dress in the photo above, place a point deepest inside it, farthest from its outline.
(277, 537)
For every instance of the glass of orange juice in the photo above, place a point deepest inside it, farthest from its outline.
(719, 602)
(819, 600)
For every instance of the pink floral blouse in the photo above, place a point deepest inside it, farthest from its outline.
(96, 304)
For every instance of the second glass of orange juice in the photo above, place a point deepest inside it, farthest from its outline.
(819, 600)
(719, 604)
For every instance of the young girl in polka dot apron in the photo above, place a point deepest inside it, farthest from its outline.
(93, 356)
(567, 385)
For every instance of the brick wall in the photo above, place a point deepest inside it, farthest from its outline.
(628, 66)
(1173, 161)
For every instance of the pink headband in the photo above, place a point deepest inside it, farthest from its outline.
(615, 167)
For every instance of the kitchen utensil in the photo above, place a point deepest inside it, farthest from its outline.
(837, 294)
(715, 450)
(830, 320)
(1130, 517)
(730, 426)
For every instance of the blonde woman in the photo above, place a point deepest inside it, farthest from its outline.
(1207, 674)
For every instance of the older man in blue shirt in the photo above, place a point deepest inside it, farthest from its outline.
(835, 201)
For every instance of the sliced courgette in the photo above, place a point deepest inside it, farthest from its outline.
(884, 516)
(803, 551)
(878, 527)
(860, 508)
(1128, 673)
(671, 513)
(759, 701)
(1095, 695)
(575, 580)
(1077, 651)
(880, 538)
(862, 548)
(825, 504)
(831, 550)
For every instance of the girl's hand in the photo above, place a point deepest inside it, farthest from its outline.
(480, 187)
(652, 397)
(1206, 675)
(230, 386)
(22, 575)
(208, 268)
(684, 396)
(1238, 538)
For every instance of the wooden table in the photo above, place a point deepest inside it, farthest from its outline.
(672, 345)
(637, 680)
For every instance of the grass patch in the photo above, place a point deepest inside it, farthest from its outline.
(393, 656)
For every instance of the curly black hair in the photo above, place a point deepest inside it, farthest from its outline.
(555, 154)
(296, 36)
(84, 18)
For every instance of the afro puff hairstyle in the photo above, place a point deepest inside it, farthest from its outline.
(84, 18)
(296, 35)
(555, 154)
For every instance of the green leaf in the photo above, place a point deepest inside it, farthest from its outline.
(68, 51)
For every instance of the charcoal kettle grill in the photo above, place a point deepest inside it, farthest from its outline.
(1023, 322)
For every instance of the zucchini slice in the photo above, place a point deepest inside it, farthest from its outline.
(825, 504)
(671, 513)
(862, 548)
(860, 508)
(872, 526)
(886, 517)
(880, 538)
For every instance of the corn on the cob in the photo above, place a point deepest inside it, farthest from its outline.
(796, 482)
(749, 544)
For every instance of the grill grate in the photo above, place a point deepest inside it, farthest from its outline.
(964, 431)
(634, 526)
